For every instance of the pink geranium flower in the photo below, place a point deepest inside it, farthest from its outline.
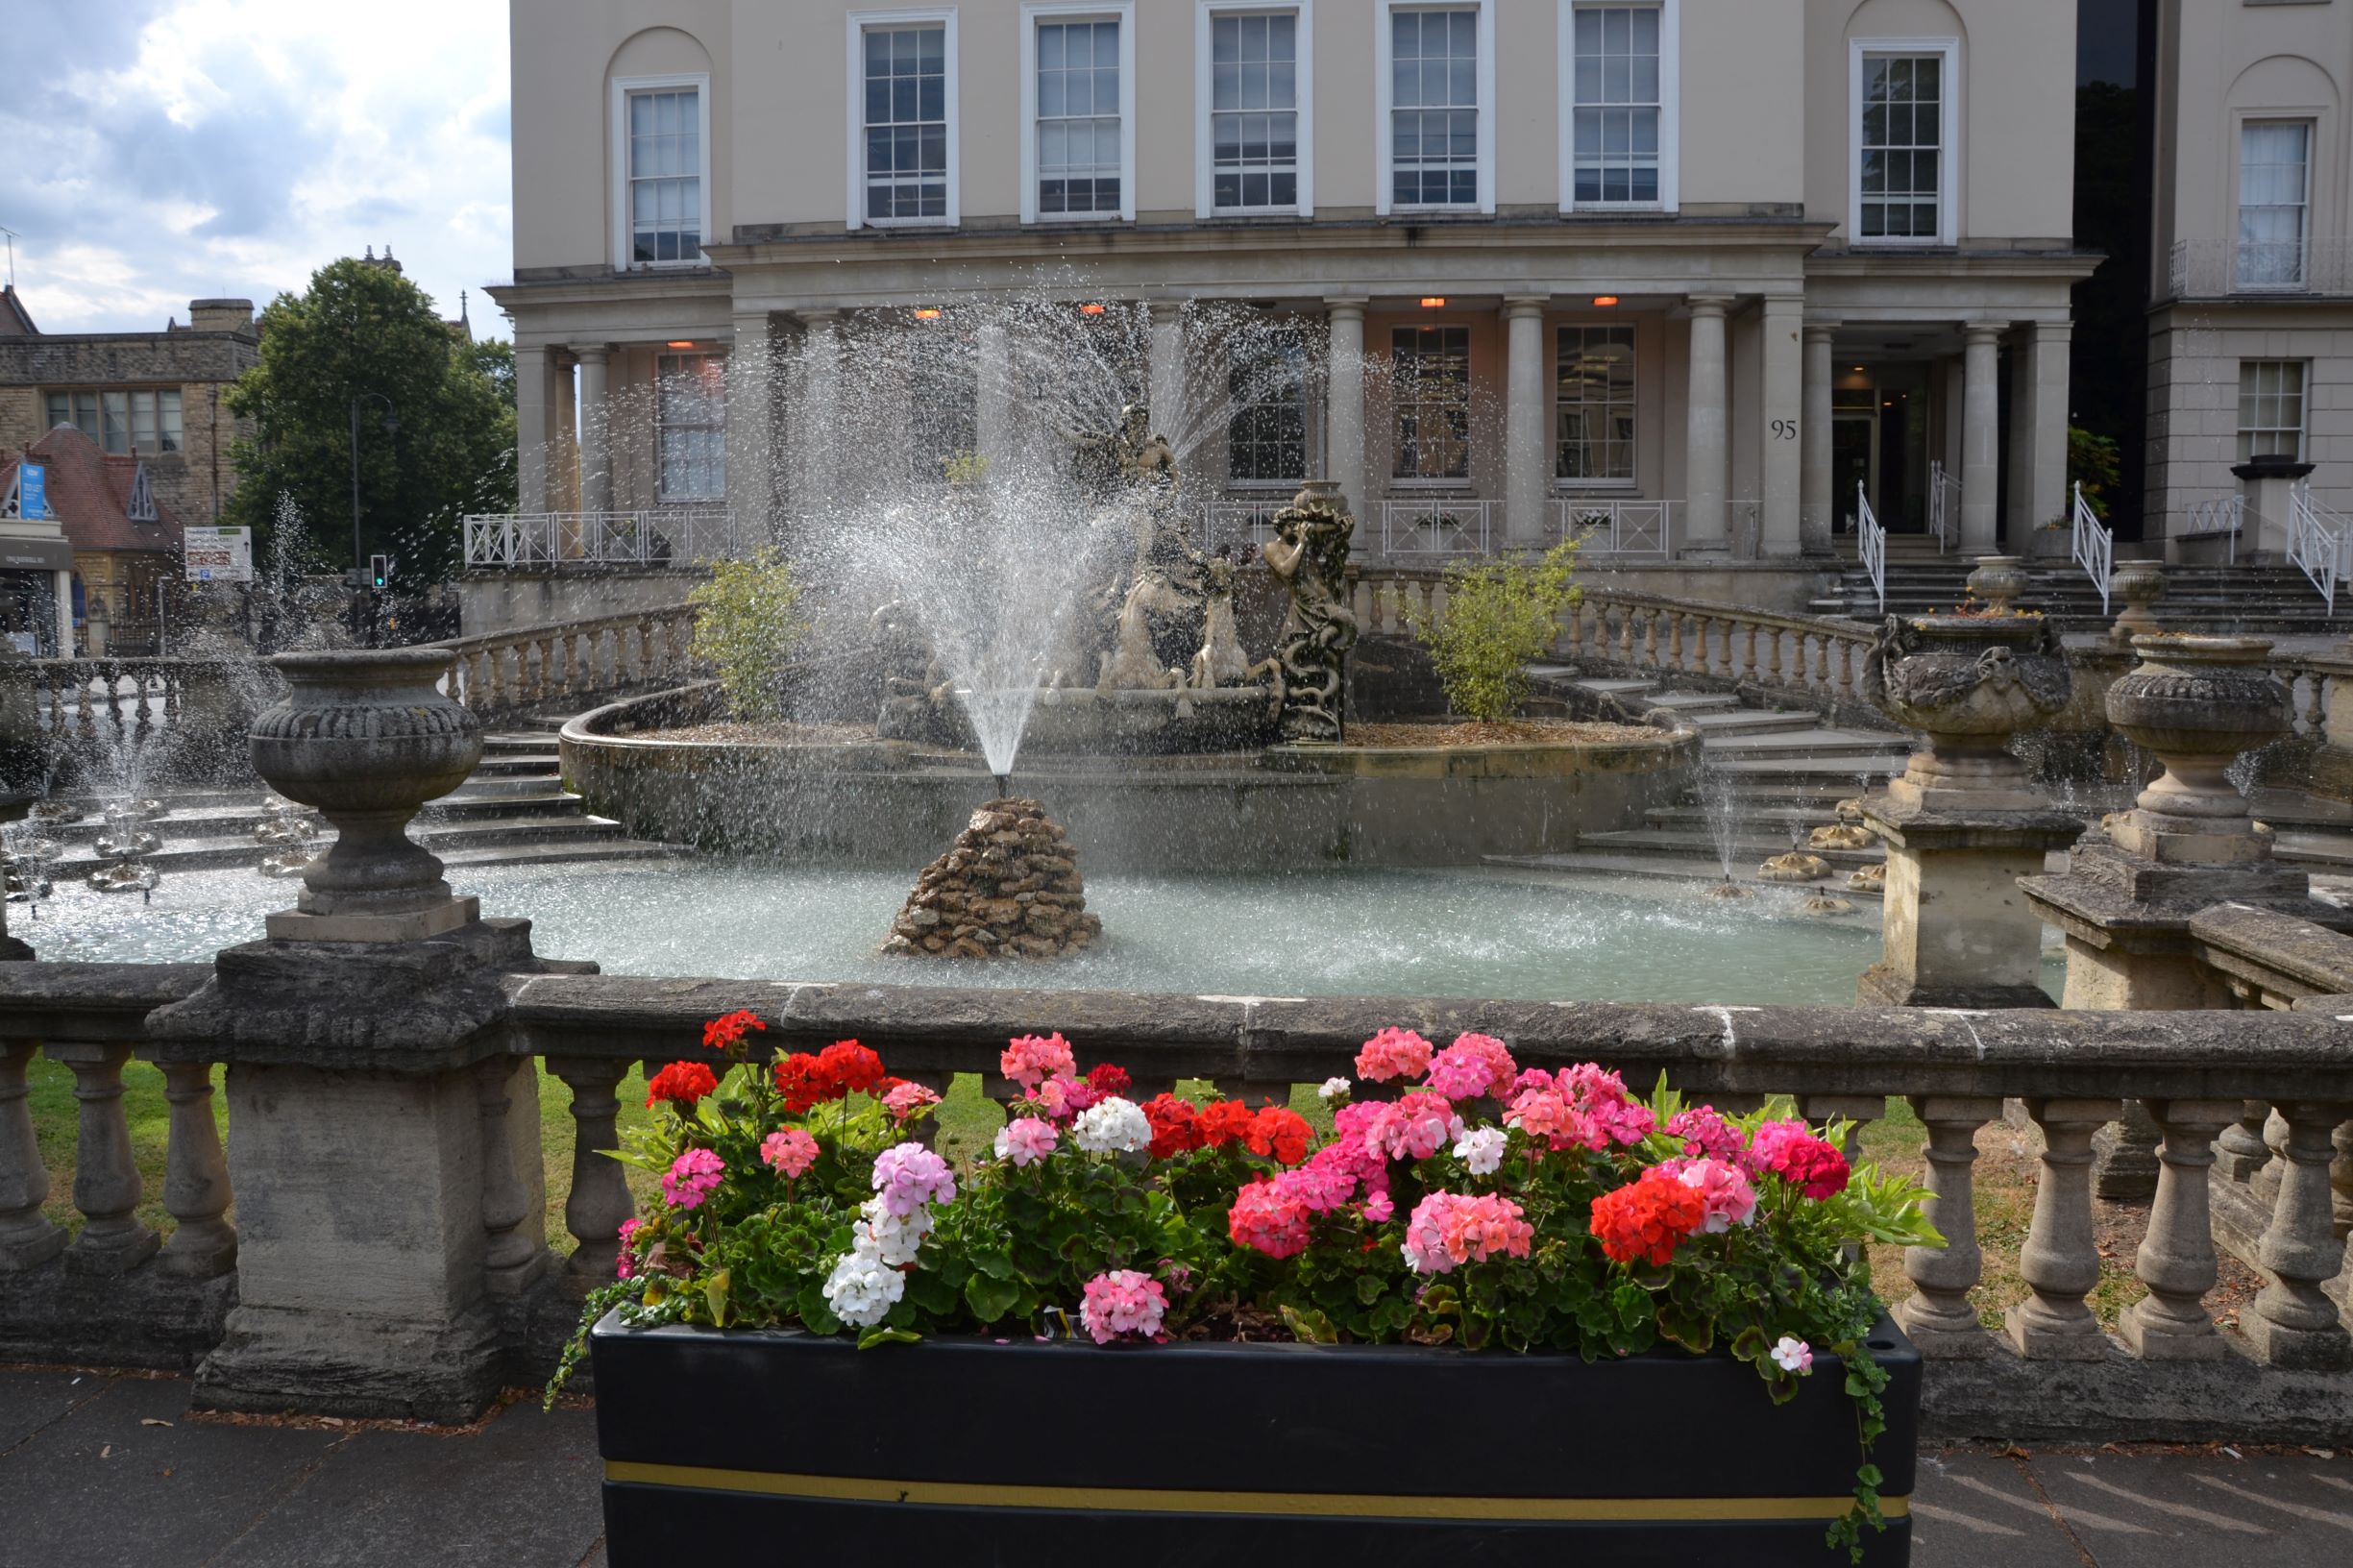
(1121, 1301)
(1791, 1151)
(1730, 1199)
(1415, 1127)
(1025, 1141)
(1268, 1221)
(908, 1176)
(1032, 1059)
(788, 1151)
(1449, 1229)
(691, 1178)
(1473, 1066)
(1393, 1053)
(1707, 1134)
(904, 1100)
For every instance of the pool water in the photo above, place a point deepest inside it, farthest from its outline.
(1467, 933)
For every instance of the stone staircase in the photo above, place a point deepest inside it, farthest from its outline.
(1778, 773)
(2238, 598)
(513, 811)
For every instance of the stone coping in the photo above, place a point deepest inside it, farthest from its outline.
(1489, 759)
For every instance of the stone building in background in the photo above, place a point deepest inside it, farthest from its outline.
(125, 589)
(156, 397)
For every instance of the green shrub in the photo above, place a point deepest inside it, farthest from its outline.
(1500, 617)
(749, 625)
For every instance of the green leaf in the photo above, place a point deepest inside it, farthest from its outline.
(880, 1335)
(715, 1296)
(931, 1291)
(1309, 1326)
(1369, 1290)
(997, 1265)
(1686, 1328)
(990, 1298)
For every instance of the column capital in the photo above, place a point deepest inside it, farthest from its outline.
(1352, 305)
(2050, 331)
(1974, 333)
(1821, 331)
(1777, 304)
(1709, 305)
(1526, 304)
(592, 353)
(824, 317)
(1164, 310)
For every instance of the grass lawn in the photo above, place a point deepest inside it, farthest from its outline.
(2005, 1177)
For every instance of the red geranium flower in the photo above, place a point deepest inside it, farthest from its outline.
(1107, 1080)
(1648, 1219)
(1281, 1132)
(802, 1083)
(849, 1068)
(1224, 1122)
(683, 1084)
(1173, 1129)
(726, 1034)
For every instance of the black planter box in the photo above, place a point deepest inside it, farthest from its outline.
(769, 1447)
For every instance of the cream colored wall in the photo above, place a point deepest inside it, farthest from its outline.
(1764, 118)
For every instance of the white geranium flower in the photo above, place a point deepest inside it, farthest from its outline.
(862, 1290)
(1111, 1126)
(889, 1238)
(1794, 1355)
(1334, 1089)
(1482, 1149)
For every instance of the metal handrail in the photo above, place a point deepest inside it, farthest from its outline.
(1616, 526)
(1873, 539)
(652, 536)
(1944, 505)
(2091, 547)
(2316, 543)
(1440, 525)
(2225, 515)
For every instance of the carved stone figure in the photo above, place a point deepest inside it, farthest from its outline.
(1968, 683)
(1308, 555)
(1220, 662)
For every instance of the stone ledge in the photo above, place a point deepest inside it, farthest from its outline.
(2120, 1398)
(56, 1313)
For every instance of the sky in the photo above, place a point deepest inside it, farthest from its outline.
(159, 150)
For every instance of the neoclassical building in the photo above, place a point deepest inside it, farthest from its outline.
(2251, 329)
(1563, 259)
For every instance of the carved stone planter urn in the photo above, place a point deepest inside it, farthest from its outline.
(2141, 585)
(2196, 702)
(366, 737)
(1998, 580)
(1968, 683)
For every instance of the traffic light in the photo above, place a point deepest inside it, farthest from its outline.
(379, 570)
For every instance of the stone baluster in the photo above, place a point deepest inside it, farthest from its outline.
(1675, 639)
(2264, 1183)
(171, 694)
(1938, 1315)
(2340, 1179)
(1576, 630)
(1361, 601)
(599, 1199)
(1857, 1110)
(106, 1177)
(1626, 634)
(2316, 717)
(1846, 669)
(512, 1245)
(1773, 656)
(1747, 650)
(1822, 660)
(2240, 1151)
(1649, 638)
(2294, 1322)
(2060, 1261)
(26, 1235)
(85, 718)
(2177, 1259)
(204, 1245)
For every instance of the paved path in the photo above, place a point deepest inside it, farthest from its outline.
(91, 1478)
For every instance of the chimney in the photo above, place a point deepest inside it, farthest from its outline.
(221, 315)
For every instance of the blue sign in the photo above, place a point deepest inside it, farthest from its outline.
(31, 490)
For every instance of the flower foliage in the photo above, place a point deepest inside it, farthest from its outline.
(1459, 1198)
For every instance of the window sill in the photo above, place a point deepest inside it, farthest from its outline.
(1468, 211)
(1232, 212)
(1597, 489)
(1045, 220)
(1457, 489)
(907, 223)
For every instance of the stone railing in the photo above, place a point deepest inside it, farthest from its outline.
(99, 697)
(2201, 1075)
(572, 662)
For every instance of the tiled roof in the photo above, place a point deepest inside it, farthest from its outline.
(89, 490)
(15, 321)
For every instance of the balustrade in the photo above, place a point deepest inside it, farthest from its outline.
(571, 662)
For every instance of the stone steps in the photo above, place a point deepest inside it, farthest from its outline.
(1584, 864)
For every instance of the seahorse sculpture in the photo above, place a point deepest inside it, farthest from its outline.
(1308, 555)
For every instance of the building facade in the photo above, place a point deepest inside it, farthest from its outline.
(2251, 329)
(1704, 272)
(154, 396)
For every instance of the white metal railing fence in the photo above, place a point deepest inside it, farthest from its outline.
(2091, 547)
(1241, 523)
(2223, 515)
(2220, 267)
(1873, 541)
(1615, 526)
(1439, 525)
(657, 536)
(2319, 540)
(1944, 506)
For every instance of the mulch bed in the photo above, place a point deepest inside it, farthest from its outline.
(1507, 732)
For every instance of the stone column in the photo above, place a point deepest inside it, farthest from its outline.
(1707, 453)
(1165, 375)
(599, 1199)
(1345, 404)
(1938, 1314)
(994, 398)
(515, 1251)
(2060, 1261)
(107, 1183)
(1980, 437)
(2295, 1323)
(27, 1238)
(565, 478)
(1781, 419)
(596, 433)
(1526, 453)
(196, 1179)
(821, 372)
(2177, 1259)
(1818, 509)
(2043, 456)
(531, 430)
(751, 417)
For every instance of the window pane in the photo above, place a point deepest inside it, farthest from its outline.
(60, 411)
(1616, 149)
(1431, 372)
(1901, 156)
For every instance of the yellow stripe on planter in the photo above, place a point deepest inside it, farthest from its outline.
(1142, 1499)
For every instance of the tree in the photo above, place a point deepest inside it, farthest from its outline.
(749, 625)
(1501, 616)
(363, 332)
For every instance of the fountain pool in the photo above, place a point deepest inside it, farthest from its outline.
(1463, 933)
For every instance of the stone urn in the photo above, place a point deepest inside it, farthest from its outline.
(2197, 702)
(2139, 584)
(1998, 580)
(366, 737)
(1967, 683)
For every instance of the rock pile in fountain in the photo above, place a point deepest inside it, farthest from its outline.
(1008, 888)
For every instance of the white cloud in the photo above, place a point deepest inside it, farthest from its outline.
(170, 150)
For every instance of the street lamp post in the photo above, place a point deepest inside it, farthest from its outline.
(360, 559)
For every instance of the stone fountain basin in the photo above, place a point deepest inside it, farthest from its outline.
(1067, 722)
